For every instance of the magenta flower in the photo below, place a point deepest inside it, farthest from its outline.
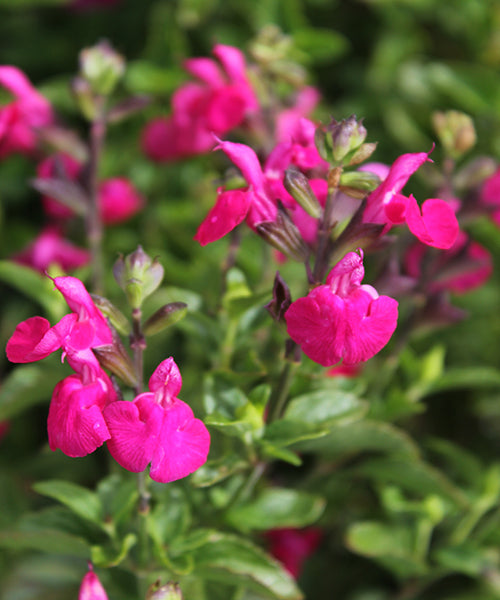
(91, 588)
(75, 423)
(50, 248)
(342, 319)
(20, 119)
(292, 547)
(76, 333)
(286, 122)
(435, 224)
(490, 196)
(219, 101)
(158, 428)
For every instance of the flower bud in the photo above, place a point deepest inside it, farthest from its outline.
(297, 185)
(339, 141)
(169, 591)
(115, 358)
(91, 588)
(455, 130)
(164, 317)
(283, 235)
(115, 316)
(138, 276)
(358, 184)
(362, 153)
(281, 300)
(83, 94)
(102, 67)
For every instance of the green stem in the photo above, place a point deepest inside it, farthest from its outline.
(279, 396)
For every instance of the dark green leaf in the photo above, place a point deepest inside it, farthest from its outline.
(48, 541)
(214, 471)
(325, 406)
(107, 556)
(25, 386)
(284, 432)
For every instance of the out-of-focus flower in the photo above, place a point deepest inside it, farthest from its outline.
(342, 319)
(292, 547)
(219, 101)
(20, 119)
(50, 248)
(158, 428)
(462, 268)
(118, 199)
(434, 224)
(490, 196)
(91, 588)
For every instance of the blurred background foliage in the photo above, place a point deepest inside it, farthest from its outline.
(393, 62)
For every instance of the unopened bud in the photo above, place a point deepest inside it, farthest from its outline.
(138, 276)
(164, 317)
(362, 153)
(102, 67)
(169, 591)
(344, 137)
(283, 235)
(297, 185)
(455, 130)
(91, 588)
(115, 358)
(115, 316)
(281, 301)
(358, 184)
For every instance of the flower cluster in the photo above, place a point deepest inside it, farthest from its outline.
(86, 411)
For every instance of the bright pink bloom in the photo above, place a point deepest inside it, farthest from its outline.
(158, 428)
(342, 319)
(75, 424)
(462, 268)
(435, 224)
(219, 101)
(119, 200)
(20, 119)
(286, 122)
(490, 195)
(292, 547)
(76, 333)
(91, 588)
(51, 248)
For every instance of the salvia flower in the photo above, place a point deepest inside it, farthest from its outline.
(434, 224)
(158, 428)
(292, 547)
(342, 319)
(20, 119)
(490, 196)
(217, 102)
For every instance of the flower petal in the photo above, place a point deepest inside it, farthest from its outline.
(436, 226)
(229, 211)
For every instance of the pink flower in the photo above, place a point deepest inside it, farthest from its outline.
(490, 196)
(75, 424)
(118, 199)
(435, 224)
(292, 547)
(91, 588)
(76, 333)
(158, 428)
(51, 248)
(219, 101)
(286, 122)
(342, 319)
(462, 268)
(20, 119)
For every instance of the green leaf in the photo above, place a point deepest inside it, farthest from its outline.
(275, 508)
(468, 377)
(171, 516)
(269, 450)
(363, 436)
(217, 470)
(389, 545)
(107, 556)
(285, 433)
(118, 495)
(146, 78)
(80, 500)
(414, 476)
(320, 44)
(49, 541)
(229, 427)
(234, 560)
(35, 286)
(467, 559)
(325, 406)
(24, 387)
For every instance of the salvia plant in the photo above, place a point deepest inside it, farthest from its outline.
(252, 433)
